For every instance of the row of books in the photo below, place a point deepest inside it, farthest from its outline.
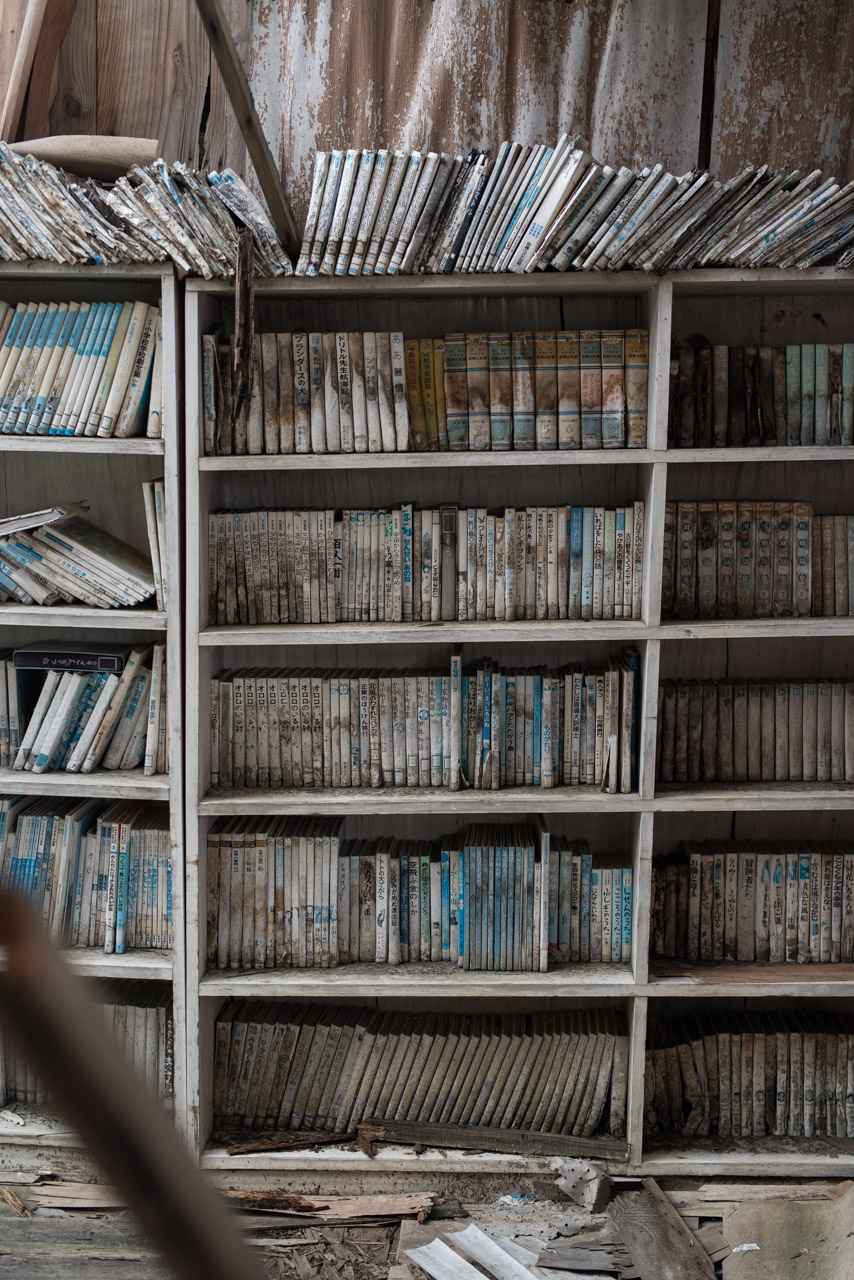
(786, 1074)
(381, 392)
(81, 369)
(326, 1067)
(533, 207)
(138, 1015)
(98, 874)
(737, 560)
(735, 396)
(55, 557)
(755, 731)
(487, 729)
(88, 719)
(284, 893)
(157, 213)
(781, 903)
(411, 565)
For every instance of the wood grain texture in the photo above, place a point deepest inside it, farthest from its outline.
(45, 76)
(74, 108)
(661, 1246)
(18, 76)
(223, 142)
(152, 74)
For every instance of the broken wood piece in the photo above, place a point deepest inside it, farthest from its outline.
(236, 84)
(15, 1202)
(660, 1245)
(742, 1191)
(299, 1140)
(478, 1245)
(509, 1141)
(91, 155)
(586, 1183)
(336, 1208)
(76, 1195)
(442, 1263)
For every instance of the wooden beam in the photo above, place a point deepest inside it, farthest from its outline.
(45, 75)
(240, 96)
(485, 1138)
(21, 68)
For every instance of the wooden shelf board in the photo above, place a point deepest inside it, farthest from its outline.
(761, 1160)
(753, 795)
(64, 617)
(463, 285)
(124, 784)
(33, 267)
(89, 962)
(40, 1129)
(770, 453)
(429, 461)
(673, 979)
(417, 800)
(783, 280)
(754, 628)
(78, 444)
(389, 1159)
(438, 980)
(556, 630)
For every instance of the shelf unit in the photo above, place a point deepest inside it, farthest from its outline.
(39, 472)
(771, 306)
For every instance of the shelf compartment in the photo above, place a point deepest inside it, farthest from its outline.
(668, 979)
(437, 981)
(121, 784)
(751, 795)
(482, 804)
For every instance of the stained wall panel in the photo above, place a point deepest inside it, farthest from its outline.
(452, 73)
(785, 86)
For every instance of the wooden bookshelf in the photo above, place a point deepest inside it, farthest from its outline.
(38, 472)
(737, 307)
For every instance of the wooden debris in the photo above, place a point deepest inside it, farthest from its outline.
(611, 1257)
(299, 1140)
(586, 1183)
(660, 1245)
(368, 1136)
(15, 1202)
(509, 1141)
(336, 1208)
(76, 1195)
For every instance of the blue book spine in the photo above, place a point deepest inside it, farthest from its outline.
(616, 913)
(78, 329)
(487, 715)
(586, 562)
(100, 345)
(36, 424)
(502, 726)
(404, 906)
(632, 657)
(584, 933)
(446, 904)
(462, 913)
(530, 192)
(132, 886)
(505, 900)
(89, 342)
(538, 729)
(36, 339)
(76, 712)
(590, 689)
(86, 336)
(25, 424)
(30, 320)
(121, 890)
(406, 539)
(464, 737)
(479, 914)
(626, 952)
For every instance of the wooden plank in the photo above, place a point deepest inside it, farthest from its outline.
(240, 95)
(486, 1138)
(415, 800)
(442, 461)
(75, 104)
(45, 74)
(420, 633)
(223, 142)
(128, 784)
(19, 76)
(416, 1204)
(661, 1246)
(771, 975)
(152, 75)
(90, 156)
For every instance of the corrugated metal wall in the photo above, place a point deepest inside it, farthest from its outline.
(451, 73)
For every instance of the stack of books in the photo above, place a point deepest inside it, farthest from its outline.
(737, 560)
(485, 730)
(786, 902)
(285, 893)
(322, 1067)
(782, 1074)
(98, 875)
(755, 731)
(383, 393)
(735, 396)
(158, 213)
(410, 565)
(55, 557)
(138, 1014)
(81, 369)
(90, 713)
(532, 207)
